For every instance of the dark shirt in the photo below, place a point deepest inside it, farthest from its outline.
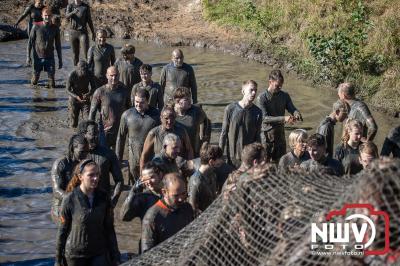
(79, 85)
(162, 222)
(42, 39)
(173, 77)
(360, 111)
(56, 5)
(108, 163)
(136, 126)
(129, 72)
(240, 127)
(79, 20)
(166, 164)
(137, 204)
(349, 158)
(100, 58)
(111, 103)
(61, 173)
(327, 166)
(202, 189)
(35, 14)
(86, 231)
(273, 108)
(289, 160)
(391, 145)
(327, 129)
(191, 121)
(156, 99)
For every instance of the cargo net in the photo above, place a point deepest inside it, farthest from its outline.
(267, 220)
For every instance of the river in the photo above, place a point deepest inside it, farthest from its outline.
(34, 132)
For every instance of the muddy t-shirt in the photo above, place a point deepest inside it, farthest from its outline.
(327, 166)
(289, 160)
(112, 103)
(61, 173)
(100, 58)
(79, 85)
(156, 99)
(349, 158)
(202, 189)
(136, 126)
(360, 111)
(391, 145)
(327, 129)
(173, 77)
(240, 127)
(137, 204)
(129, 72)
(43, 38)
(35, 14)
(79, 20)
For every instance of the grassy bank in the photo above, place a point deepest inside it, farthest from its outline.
(329, 41)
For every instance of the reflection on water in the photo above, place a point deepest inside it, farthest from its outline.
(27, 232)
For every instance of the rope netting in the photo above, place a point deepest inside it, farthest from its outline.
(267, 220)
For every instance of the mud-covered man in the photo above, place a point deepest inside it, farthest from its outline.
(192, 118)
(273, 103)
(111, 100)
(78, 14)
(155, 139)
(42, 40)
(35, 15)
(128, 67)
(241, 125)
(105, 158)
(168, 158)
(78, 83)
(156, 99)
(358, 110)
(100, 57)
(135, 124)
(177, 74)
(169, 215)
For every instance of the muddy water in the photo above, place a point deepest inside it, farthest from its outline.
(34, 132)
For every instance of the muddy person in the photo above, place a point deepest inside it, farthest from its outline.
(368, 153)
(34, 11)
(105, 158)
(358, 110)
(391, 145)
(202, 184)
(273, 103)
(348, 152)
(192, 118)
(78, 14)
(111, 100)
(168, 159)
(78, 83)
(169, 215)
(100, 57)
(129, 67)
(62, 171)
(56, 5)
(177, 74)
(155, 139)
(42, 40)
(327, 126)
(135, 124)
(298, 150)
(241, 125)
(86, 234)
(156, 94)
(318, 161)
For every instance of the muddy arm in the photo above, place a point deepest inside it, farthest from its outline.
(148, 149)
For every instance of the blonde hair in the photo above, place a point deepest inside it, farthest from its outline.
(296, 136)
(369, 148)
(349, 126)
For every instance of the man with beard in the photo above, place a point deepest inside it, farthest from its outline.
(79, 94)
(177, 74)
(156, 94)
(63, 169)
(241, 125)
(79, 16)
(155, 139)
(319, 161)
(128, 67)
(273, 103)
(42, 40)
(136, 122)
(105, 158)
(112, 100)
(191, 117)
(169, 215)
(101, 57)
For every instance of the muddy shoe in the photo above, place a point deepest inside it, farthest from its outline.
(34, 80)
(52, 84)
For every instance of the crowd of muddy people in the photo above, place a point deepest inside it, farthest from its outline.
(174, 172)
